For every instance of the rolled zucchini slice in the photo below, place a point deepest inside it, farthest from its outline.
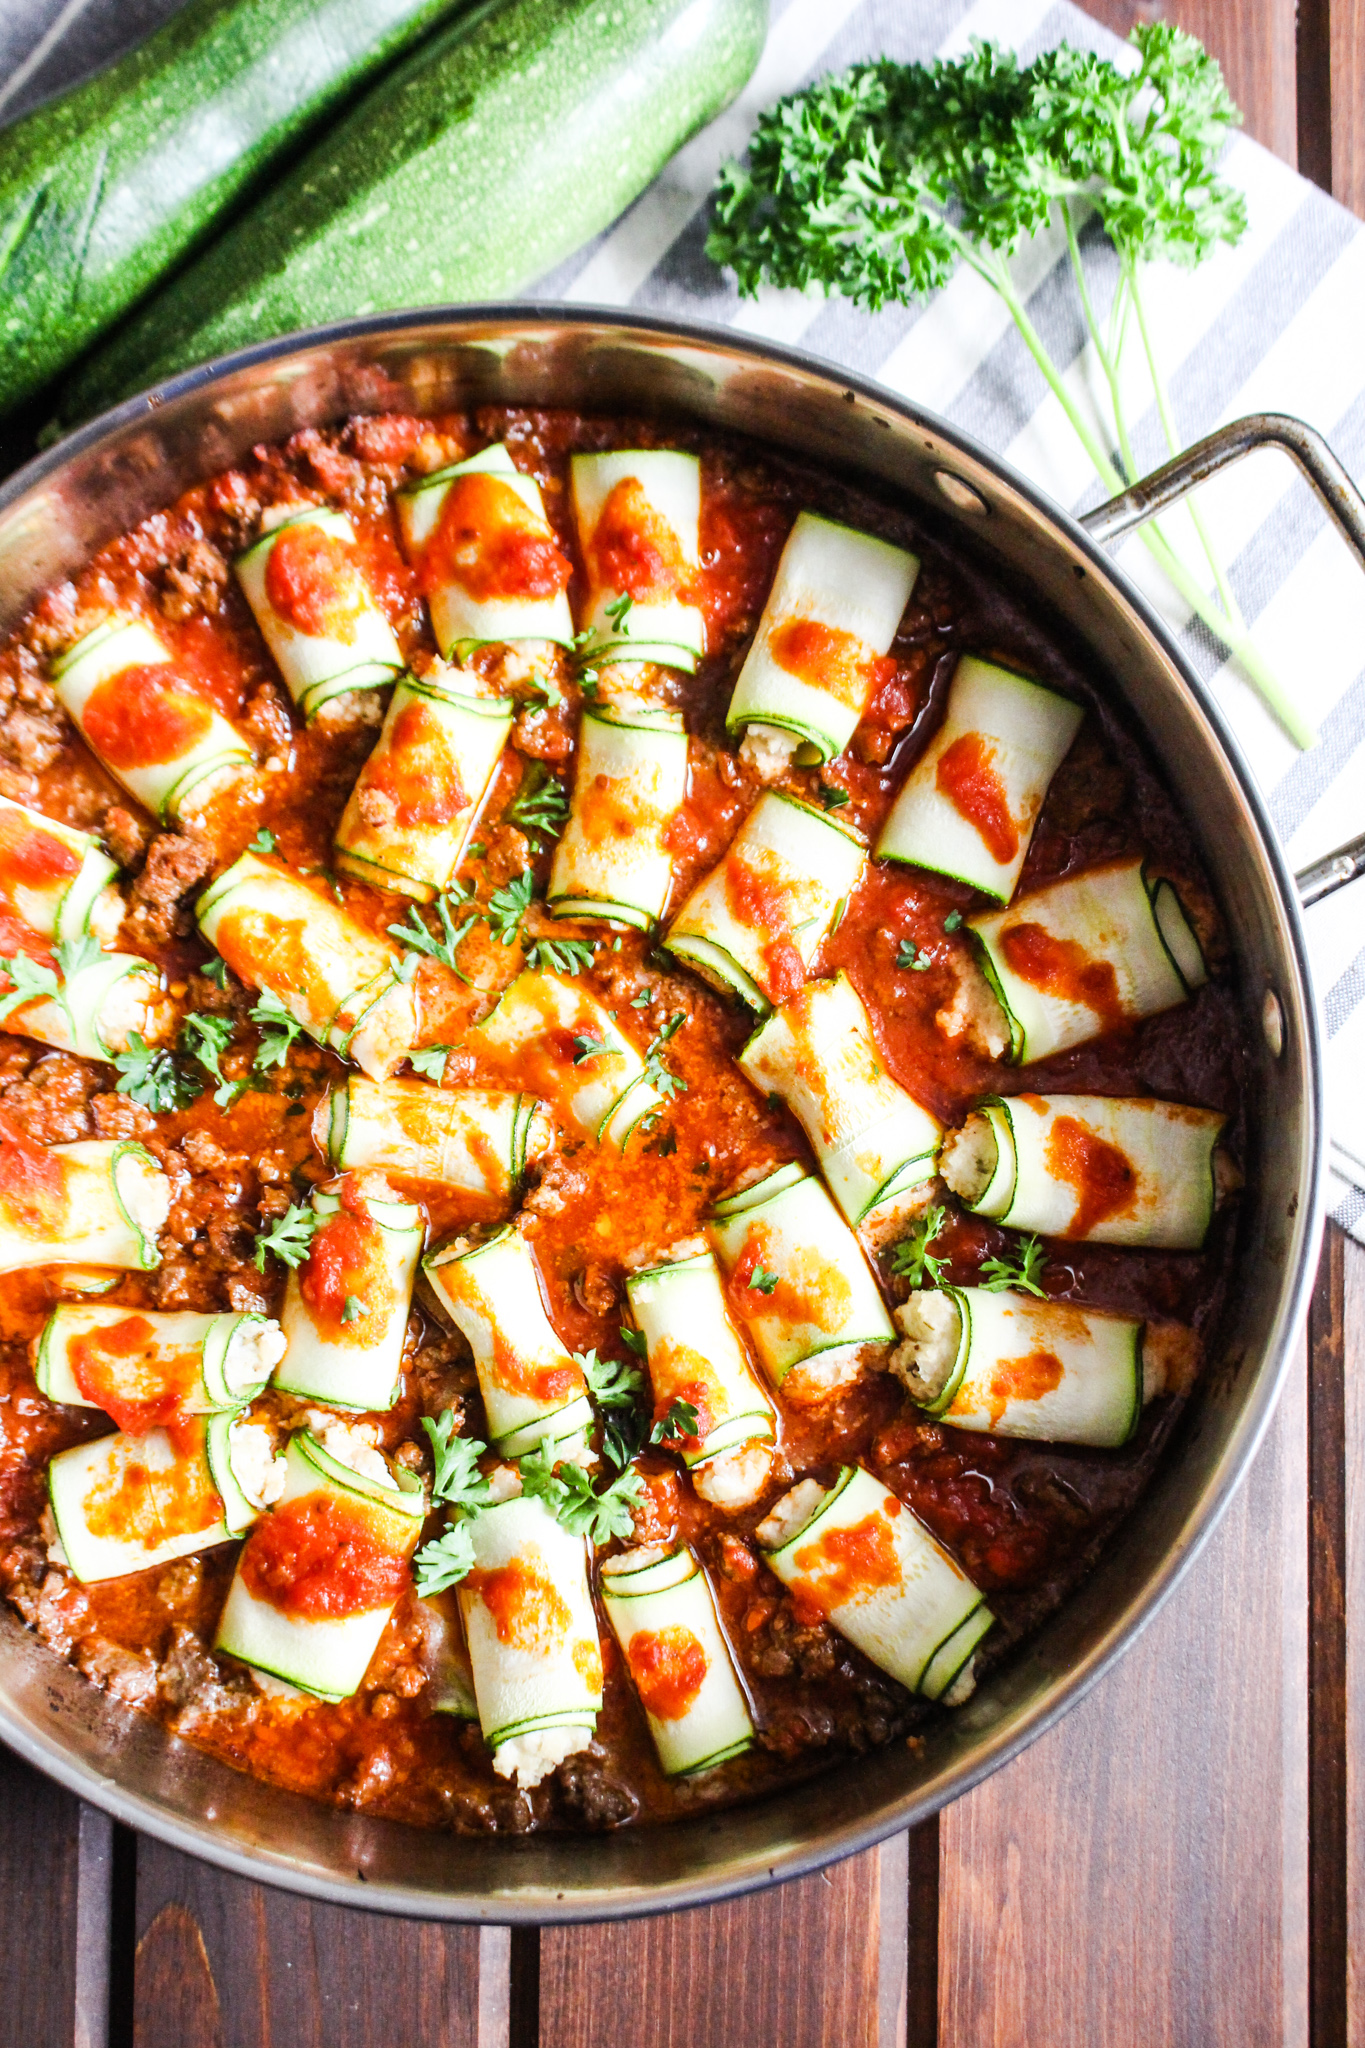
(306, 587)
(563, 1046)
(346, 1307)
(125, 1503)
(98, 1008)
(476, 1139)
(100, 1202)
(409, 818)
(613, 859)
(320, 1575)
(57, 879)
(754, 925)
(970, 803)
(333, 976)
(695, 1355)
(1009, 1365)
(874, 1142)
(1110, 1169)
(151, 1367)
(452, 1674)
(1087, 955)
(798, 1282)
(533, 1388)
(153, 731)
(532, 1635)
(638, 512)
(664, 1617)
(831, 615)
(486, 556)
(856, 1555)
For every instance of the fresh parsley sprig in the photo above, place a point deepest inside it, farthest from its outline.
(431, 1060)
(508, 906)
(30, 978)
(444, 1561)
(912, 1258)
(762, 1281)
(416, 936)
(1023, 1267)
(540, 805)
(569, 1494)
(152, 1076)
(618, 1387)
(205, 1036)
(562, 956)
(458, 1480)
(908, 954)
(657, 1074)
(680, 1421)
(289, 1237)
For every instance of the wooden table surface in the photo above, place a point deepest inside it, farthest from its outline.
(1182, 1861)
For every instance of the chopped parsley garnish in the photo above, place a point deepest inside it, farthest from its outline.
(619, 613)
(953, 921)
(661, 1077)
(444, 1561)
(458, 1479)
(591, 1045)
(278, 1032)
(508, 906)
(563, 956)
(431, 1060)
(205, 1036)
(909, 955)
(1023, 1268)
(539, 807)
(912, 1258)
(264, 842)
(635, 1339)
(680, 1421)
(762, 1281)
(831, 796)
(288, 1237)
(30, 979)
(353, 1308)
(152, 1077)
(215, 970)
(415, 936)
(616, 1387)
(569, 1494)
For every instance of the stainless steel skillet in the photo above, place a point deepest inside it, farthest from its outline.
(109, 475)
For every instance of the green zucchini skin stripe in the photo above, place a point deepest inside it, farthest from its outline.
(103, 190)
(323, 245)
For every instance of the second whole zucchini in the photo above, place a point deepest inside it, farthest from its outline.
(491, 154)
(103, 190)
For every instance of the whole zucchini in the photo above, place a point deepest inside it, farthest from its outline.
(489, 155)
(104, 189)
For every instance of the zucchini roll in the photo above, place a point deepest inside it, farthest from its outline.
(799, 1283)
(97, 1009)
(873, 1141)
(695, 1355)
(1107, 1168)
(124, 1503)
(99, 1202)
(474, 1139)
(971, 801)
(613, 858)
(569, 1052)
(335, 978)
(346, 1307)
(56, 879)
(150, 1367)
(532, 1634)
(1013, 1366)
(831, 615)
(533, 1388)
(1087, 955)
(638, 512)
(153, 730)
(856, 1555)
(317, 615)
(486, 556)
(320, 1575)
(662, 1614)
(755, 924)
(452, 1674)
(408, 819)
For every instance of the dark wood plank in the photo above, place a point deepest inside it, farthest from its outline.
(1138, 1878)
(1354, 1405)
(221, 1963)
(39, 1885)
(797, 1967)
(1347, 39)
(921, 2030)
(1253, 40)
(1327, 1793)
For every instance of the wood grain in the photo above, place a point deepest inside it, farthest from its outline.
(1137, 1878)
(1354, 1387)
(1347, 44)
(1327, 1571)
(797, 1967)
(221, 1963)
(39, 1881)
(1253, 40)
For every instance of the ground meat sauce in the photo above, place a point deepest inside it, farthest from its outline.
(1026, 1520)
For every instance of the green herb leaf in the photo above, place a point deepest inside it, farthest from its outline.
(206, 1036)
(508, 906)
(909, 955)
(431, 1060)
(444, 1561)
(152, 1077)
(540, 805)
(680, 1421)
(562, 956)
(569, 1494)
(911, 1258)
(1023, 1268)
(458, 1479)
(613, 1382)
(288, 1237)
(635, 1339)
(29, 979)
(661, 1077)
(278, 1032)
(592, 1045)
(353, 1308)
(264, 842)
(216, 971)
(762, 1281)
(831, 796)
(414, 935)
(953, 921)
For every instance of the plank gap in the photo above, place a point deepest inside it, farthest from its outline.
(1327, 1786)
(524, 1989)
(1313, 65)
(122, 1937)
(921, 2023)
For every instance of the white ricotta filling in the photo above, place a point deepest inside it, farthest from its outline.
(932, 1323)
(962, 1687)
(255, 1466)
(637, 1560)
(252, 1355)
(768, 750)
(734, 1478)
(974, 1013)
(352, 1444)
(967, 1158)
(790, 1515)
(529, 1758)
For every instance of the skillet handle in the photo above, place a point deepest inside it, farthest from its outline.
(1340, 499)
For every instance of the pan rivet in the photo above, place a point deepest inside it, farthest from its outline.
(1272, 1023)
(959, 493)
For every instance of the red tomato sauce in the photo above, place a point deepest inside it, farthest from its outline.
(313, 580)
(668, 1667)
(118, 1368)
(31, 858)
(418, 771)
(966, 776)
(1104, 1180)
(1062, 968)
(321, 1558)
(144, 718)
(633, 547)
(489, 541)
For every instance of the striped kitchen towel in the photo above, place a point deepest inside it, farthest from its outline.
(1274, 324)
